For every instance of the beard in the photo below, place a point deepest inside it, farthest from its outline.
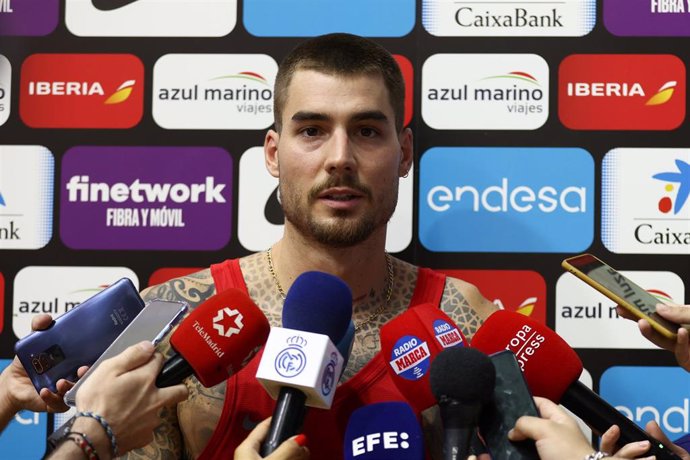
(342, 229)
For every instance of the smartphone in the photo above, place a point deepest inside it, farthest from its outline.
(621, 290)
(153, 323)
(511, 400)
(78, 337)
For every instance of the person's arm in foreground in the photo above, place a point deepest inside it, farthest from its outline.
(637, 449)
(291, 449)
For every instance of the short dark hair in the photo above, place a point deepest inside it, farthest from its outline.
(342, 55)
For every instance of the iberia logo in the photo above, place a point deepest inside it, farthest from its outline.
(680, 177)
(621, 92)
(81, 91)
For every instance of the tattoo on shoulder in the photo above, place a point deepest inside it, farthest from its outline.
(193, 289)
(456, 305)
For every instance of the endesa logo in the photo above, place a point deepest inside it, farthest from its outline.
(522, 291)
(146, 198)
(645, 205)
(621, 91)
(668, 18)
(669, 406)
(81, 91)
(478, 199)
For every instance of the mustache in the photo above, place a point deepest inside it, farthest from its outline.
(348, 181)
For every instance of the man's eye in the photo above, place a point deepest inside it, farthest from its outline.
(310, 132)
(367, 132)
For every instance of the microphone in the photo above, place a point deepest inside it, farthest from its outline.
(384, 431)
(217, 339)
(551, 368)
(300, 365)
(411, 341)
(462, 379)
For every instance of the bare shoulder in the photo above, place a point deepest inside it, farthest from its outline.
(193, 288)
(463, 302)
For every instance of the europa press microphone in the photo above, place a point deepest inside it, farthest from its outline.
(384, 431)
(552, 368)
(300, 365)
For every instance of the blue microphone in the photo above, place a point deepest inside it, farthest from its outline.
(384, 431)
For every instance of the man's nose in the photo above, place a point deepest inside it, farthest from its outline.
(339, 153)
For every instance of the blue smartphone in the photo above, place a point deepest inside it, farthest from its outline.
(78, 337)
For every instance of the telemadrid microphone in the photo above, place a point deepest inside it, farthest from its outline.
(300, 365)
(411, 341)
(462, 379)
(552, 369)
(217, 339)
(384, 431)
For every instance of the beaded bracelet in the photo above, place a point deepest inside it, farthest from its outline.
(106, 427)
(598, 455)
(84, 444)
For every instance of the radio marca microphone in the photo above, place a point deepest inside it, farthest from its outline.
(462, 379)
(410, 342)
(217, 339)
(300, 364)
(384, 431)
(552, 368)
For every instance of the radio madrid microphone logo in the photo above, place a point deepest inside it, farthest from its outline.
(228, 313)
(291, 361)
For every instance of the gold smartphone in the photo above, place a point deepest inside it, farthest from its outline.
(621, 290)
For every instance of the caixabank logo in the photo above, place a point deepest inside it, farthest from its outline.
(649, 18)
(157, 198)
(81, 91)
(261, 218)
(669, 405)
(217, 91)
(485, 91)
(449, 18)
(580, 307)
(522, 291)
(621, 92)
(5, 89)
(482, 199)
(645, 207)
(26, 196)
(28, 17)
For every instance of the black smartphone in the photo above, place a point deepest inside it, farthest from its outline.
(511, 400)
(77, 338)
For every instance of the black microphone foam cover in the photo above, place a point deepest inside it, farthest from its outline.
(462, 374)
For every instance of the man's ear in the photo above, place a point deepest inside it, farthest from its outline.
(407, 151)
(271, 152)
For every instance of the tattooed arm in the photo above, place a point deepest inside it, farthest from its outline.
(193, 289)
(465, 305)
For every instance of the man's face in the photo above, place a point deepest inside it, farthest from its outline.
(338, 157)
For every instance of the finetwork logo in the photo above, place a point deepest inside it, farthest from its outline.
(476, 199)
(485, 91)
(621, 92)
(56, 290)
(28, 17)
(5, 89)
(133, 18)
(522, 291)
(146, 198)
(81, 91)
(305, 18)
(26, 196)
(667, 18)
(260, 215)
(446, 18)
(645, 207)
(582, 308)
(670, 408)
(218, 91)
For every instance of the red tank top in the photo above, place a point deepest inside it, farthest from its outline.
(247, 403)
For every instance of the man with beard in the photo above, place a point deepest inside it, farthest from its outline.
(339, 148)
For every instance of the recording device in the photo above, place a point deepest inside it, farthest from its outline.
(300, 365)
(511, 400)
(153, 323)
(410, 342)
(621, 290)
(384, 431)
(77, 338)
(462, 379)
(216, 340)
(552, 368)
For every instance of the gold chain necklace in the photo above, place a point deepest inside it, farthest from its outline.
(372, 317)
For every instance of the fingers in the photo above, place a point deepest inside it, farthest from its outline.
(257, 435)
(41, 321)
(527, 427)
(81, 371)
(547, 408)
(609, 439)
(632, 450)
(134, 356)
(682, 350)
(291, 449)
(53, 401)
(174, 394)
(657, 339)
(677, 313)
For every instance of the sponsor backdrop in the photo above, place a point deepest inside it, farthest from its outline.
(131, 133)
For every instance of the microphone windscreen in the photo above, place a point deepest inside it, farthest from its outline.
(462, 374)
(220, 336)
(320, 303)
(384, 431)
(548, 362)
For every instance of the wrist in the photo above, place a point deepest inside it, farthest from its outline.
(8, 403)
(96, 434)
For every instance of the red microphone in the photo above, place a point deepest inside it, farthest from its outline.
(410, 342)
(215, 340)
(552, 369)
